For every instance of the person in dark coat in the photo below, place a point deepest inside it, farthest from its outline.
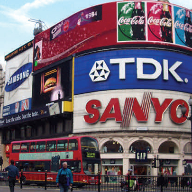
(13, 172)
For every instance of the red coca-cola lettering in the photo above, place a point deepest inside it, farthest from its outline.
(113, 111)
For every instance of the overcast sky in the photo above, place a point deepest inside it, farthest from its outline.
(16, 29)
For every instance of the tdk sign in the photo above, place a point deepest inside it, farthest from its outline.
(133, 69)
(18, 77)
(100, 71)
(140, 62)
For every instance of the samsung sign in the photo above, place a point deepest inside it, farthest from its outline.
(18, 77)
(133, 69)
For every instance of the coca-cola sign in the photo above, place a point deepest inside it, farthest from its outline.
(159, 22)
(131, 21)
(183, 26)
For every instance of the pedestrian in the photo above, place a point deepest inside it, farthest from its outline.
(64, 178)
(13, 172)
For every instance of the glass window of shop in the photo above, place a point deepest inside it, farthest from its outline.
(168, 147)
(112, 168)
(188, 148)
(112, 147)
(140, 145)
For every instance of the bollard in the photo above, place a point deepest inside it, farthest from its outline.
(99, 177)
(21, 179)
(128, 183)
(45, 179)
(162, 182)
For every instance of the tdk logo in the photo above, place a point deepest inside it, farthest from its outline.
(100, 71)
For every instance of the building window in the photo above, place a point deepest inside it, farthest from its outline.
(112, 147)
(188, 148)
(140, 145)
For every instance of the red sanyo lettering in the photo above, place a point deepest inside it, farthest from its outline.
(93, 112)
(113, 111)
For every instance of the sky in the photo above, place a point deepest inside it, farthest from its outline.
(16, 29)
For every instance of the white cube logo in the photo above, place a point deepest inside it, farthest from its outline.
(99, 71)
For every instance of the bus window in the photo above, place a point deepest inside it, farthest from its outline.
(40, 146)
(32, 147)
(42, 166)
(16, 148)
(75, 166)
(24, 147)
(73, 144)
(62, 145)
(51, 146)
(88, 143)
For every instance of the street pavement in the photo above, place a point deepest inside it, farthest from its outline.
(27, 189)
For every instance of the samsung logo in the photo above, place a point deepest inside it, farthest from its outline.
(18, 77)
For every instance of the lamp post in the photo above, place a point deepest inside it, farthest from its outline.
(183, 110)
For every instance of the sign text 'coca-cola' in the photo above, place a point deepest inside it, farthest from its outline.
(132, 106)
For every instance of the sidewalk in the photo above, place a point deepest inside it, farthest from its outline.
(27, 189)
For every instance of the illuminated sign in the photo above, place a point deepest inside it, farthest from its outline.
(132, 106)
(141, 156)
(90, 155)
(133, 69)
(19, 50)
(18, 77)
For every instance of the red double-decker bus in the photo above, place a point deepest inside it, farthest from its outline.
(35, 157)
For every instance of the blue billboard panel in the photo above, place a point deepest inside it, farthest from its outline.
(183, 27)
(133, 69)
(18, 77)
(17, 107)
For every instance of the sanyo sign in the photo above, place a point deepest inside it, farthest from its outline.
(133, 69)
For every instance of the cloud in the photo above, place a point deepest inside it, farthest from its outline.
(21, 15)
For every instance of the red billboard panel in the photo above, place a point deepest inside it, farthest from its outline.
(159, 22)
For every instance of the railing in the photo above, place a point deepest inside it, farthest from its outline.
(118, 183)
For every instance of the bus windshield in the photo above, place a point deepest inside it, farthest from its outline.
(91, 167)
(90, 144)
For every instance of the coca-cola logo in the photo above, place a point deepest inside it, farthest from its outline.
(162, 22)
(186, 27)
(183, 26)
(131, 21)
(137, 20)
(159, 22)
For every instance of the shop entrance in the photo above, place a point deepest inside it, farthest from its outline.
(141, 170)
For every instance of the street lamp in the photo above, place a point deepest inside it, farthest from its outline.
(183, 110)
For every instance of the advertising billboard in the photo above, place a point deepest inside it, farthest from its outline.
(52, 85)
(128, 109)
(18, 80)
(112, 25)
(133, 69)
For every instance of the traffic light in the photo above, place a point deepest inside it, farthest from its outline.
(1, 160)
(154, 163)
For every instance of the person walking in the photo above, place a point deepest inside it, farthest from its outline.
(13, 172)
(64, 178)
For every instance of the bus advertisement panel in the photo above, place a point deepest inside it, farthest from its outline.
(35, 157)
